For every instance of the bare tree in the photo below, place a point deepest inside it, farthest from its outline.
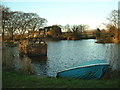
(83, 27)
(20, 22)
(67, 28)
(76, 31)
(79, 28)
(36, 22)
(11, 24)
(113, 18)
(113, 23)
(30, 21)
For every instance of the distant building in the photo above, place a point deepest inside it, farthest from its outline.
(53, 30)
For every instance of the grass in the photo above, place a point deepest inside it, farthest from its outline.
(13, 79)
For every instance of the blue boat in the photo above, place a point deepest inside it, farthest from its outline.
(93, 69)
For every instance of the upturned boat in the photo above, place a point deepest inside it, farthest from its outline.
(93, 69)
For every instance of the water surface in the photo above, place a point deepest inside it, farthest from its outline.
(65, 54)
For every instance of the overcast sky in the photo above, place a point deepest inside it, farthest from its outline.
(62, 12)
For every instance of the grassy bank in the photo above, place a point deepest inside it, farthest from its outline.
(12, 79)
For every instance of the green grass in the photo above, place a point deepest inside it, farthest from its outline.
(12, 79)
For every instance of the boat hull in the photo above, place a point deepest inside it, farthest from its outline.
(86, 72)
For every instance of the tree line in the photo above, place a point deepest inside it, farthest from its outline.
(75, 31)
(18, 22)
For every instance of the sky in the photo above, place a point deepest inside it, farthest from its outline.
(62, 12)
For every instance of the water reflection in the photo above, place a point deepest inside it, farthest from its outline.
(40, 64)
(26, 65)
(12, 60)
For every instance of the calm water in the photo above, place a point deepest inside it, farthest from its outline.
(65, 54)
